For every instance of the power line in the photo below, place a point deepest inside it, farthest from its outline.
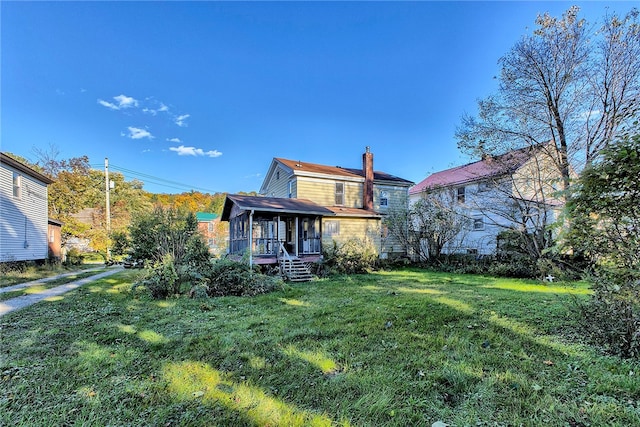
(157, 180)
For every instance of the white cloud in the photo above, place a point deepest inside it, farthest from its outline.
(126, 101)
(163, 107)
(193, 151)
(137, 133)
(180, 120)
(122, 101)
(108, 104)
(177, 140)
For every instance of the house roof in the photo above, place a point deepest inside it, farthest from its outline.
(477, 171)
(302, 168)
(353, 212)
(272, 204)
(205, 216)
(24, 169)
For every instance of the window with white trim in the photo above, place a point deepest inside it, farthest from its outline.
(339, 193)
(478, 223)
(17, 185)
(331, 228)
(384, 199)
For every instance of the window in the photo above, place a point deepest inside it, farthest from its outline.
(339, 193)
(278, 174)
(331, 228)
(461, 194)
(17, 185)
(290, 189)
(210, 227)
(384, 199)
(478, 223)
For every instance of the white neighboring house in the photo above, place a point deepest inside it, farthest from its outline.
(23, 212)
(513, 191)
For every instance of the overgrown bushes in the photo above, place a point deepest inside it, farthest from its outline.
(352, 257)
(612, 316)
(216, 278)
(605, 229)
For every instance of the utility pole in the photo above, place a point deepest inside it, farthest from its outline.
(108, 210)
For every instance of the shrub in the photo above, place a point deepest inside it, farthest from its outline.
(74, 257)
(612, 316)
(352, 257)
(14, 266)
(229, 277)
(162, 280)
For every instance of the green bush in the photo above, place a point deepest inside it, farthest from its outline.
(74, 257)
(612, 316)
(162, 280)
(229, 277)
(352, 257)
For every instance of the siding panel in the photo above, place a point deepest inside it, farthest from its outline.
(23, 220)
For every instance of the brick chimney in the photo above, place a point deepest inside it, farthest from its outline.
(367, 169)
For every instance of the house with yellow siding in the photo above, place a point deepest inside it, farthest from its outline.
(304, 206)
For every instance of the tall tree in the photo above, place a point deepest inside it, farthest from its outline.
(568, 83)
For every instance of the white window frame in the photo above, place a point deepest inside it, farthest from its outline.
(339, 194)
(478, 223)
(331, 228)
(384, 199)
(17, 185)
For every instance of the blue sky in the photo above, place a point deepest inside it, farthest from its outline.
(205, 94)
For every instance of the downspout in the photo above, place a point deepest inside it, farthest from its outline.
(251, 238)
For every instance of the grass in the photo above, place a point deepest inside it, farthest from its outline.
(33, 272)
(396, 348)
(40, 287)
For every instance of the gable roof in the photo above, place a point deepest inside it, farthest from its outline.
(10, 161)
(488, 167)
(205, 216)
(272, 204)
(300, 168)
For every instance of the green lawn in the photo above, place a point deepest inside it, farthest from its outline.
(40, 287)
(401, 348)
(8, 278)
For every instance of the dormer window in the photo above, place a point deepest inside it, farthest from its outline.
(339, 193)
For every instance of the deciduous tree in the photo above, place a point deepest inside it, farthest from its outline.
(568, 83)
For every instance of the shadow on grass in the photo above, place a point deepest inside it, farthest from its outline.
(191, 380)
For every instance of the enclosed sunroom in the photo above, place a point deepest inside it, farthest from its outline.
(270, 230)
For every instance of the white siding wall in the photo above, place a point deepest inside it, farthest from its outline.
(23, 220)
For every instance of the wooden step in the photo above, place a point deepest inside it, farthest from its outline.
(294, 270)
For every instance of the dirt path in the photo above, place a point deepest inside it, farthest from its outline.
(26, 300)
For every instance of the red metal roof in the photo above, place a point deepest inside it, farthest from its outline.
(476, 171)
(339, 171)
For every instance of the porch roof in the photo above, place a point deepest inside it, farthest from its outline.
(272, 205)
